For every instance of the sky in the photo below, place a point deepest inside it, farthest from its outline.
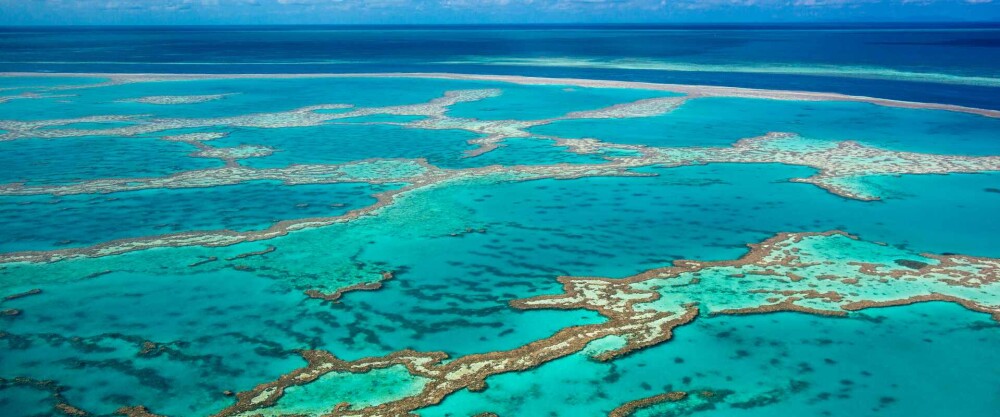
(159, 12)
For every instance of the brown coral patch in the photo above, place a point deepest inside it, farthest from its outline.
(262, 252)
(631, 407)
(136, 411)
(968, 304)
(31, 292)
(334, 297)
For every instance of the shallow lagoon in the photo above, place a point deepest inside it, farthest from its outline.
(333, 144)
(722, 121)
(60, 161)
(231, 317)
(47, 222)
(790, 364)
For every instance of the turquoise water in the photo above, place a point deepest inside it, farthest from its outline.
(783, 364)
(60, 161)
(527, 151)
(544, 102)
(46, 222)
(468, 236)
(332, 144)
(113, 315)
(239, 97)
(722, 121)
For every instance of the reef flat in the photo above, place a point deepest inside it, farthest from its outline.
(643, 310)
(231, 249)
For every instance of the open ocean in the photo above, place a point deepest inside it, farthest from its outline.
(950, 63)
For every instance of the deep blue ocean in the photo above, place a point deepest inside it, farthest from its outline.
(957, 64)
